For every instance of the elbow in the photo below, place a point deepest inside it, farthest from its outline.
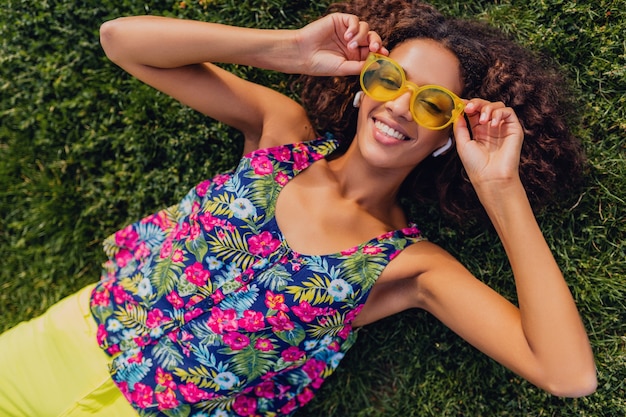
(580, 386)
(108, 35)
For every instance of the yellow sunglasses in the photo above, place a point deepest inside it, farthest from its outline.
(432, 106)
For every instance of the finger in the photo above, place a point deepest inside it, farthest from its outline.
(376, 43)
(483, 108)
(361, 37)
(461, 132)
(351, 22)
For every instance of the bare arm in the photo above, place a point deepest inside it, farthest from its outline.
(175, 56)
(544, 339)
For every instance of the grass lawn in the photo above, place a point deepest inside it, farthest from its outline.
(85, 149)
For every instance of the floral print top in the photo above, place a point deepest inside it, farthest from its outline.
(206, 311)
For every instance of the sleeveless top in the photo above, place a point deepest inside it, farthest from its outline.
(205, 309)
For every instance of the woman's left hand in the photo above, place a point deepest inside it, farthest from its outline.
(492, 157)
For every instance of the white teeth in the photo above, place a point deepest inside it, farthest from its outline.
(389, 131)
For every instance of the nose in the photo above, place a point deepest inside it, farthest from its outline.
(401, 105)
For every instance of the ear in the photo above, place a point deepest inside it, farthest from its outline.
(444, 148)
(357, 99)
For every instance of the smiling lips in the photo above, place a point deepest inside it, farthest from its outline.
(389, 131)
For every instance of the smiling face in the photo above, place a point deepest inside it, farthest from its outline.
(386, 131)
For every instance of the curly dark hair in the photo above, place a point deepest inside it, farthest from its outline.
(493, 67)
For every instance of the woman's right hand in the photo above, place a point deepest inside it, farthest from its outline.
(336, 45)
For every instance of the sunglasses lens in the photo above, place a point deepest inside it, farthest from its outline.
(382, 80)
(433, 107)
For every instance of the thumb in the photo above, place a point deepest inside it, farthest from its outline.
(461, 131)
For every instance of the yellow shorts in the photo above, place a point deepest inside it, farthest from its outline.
(52, 366)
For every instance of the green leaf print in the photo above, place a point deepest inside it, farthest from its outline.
(220, 205)
(252, 363)
(232, 247)
(165, 276)
(264, 193)
(332, 326)
(168, 354)
(133, 317)
(199, 375)
(198, 247)
(363, 269)
(294, 336)
(180, 411)
(314, 291)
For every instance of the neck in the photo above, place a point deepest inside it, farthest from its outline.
(373, 189)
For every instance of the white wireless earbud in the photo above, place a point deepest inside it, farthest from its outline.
(357, 99)
(444, 148)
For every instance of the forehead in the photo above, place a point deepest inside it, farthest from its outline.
(426, 61)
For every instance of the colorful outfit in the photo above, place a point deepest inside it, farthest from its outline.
(204, 308)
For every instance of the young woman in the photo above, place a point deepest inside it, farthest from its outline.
(241, 299)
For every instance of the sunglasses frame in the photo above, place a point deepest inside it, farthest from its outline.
(414, 88)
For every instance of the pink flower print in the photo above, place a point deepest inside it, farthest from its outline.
(353, 313)
(262, 165)
(155, 318)
(292, 354)
(178, 256)
(305, 396)
(236, 340)
(387, 235)
(196, 274)
(161, 220)
(192, 393)
(142, 251)
(194, 231)
(411, 231)
(244, 406)
(190, 315)
(166, 249)
(142, 395)
(252, 321)
(350, 251)
(175, 300)
(164, 379)
(313, 368)
(202, 188)
(306, 312)
(393, 255)
(127, 237)
(223, 320)
(101, 334)
(289, 407)
(221, 179)
(281, 178)
(195, 208)
(345, 332)
(263, 244)
(281, 153)
(301, 160)
(264, 345)
(264, 390)
(101, 298)
(166, 399)
(119, 295)
(217, 296)
(372, 250)
(122, 257)
(280, 322)
(136, 358)
(208, 221)
(181, 231)
(275, 301)
(113, 350)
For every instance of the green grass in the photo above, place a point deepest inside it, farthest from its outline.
(84, 149)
